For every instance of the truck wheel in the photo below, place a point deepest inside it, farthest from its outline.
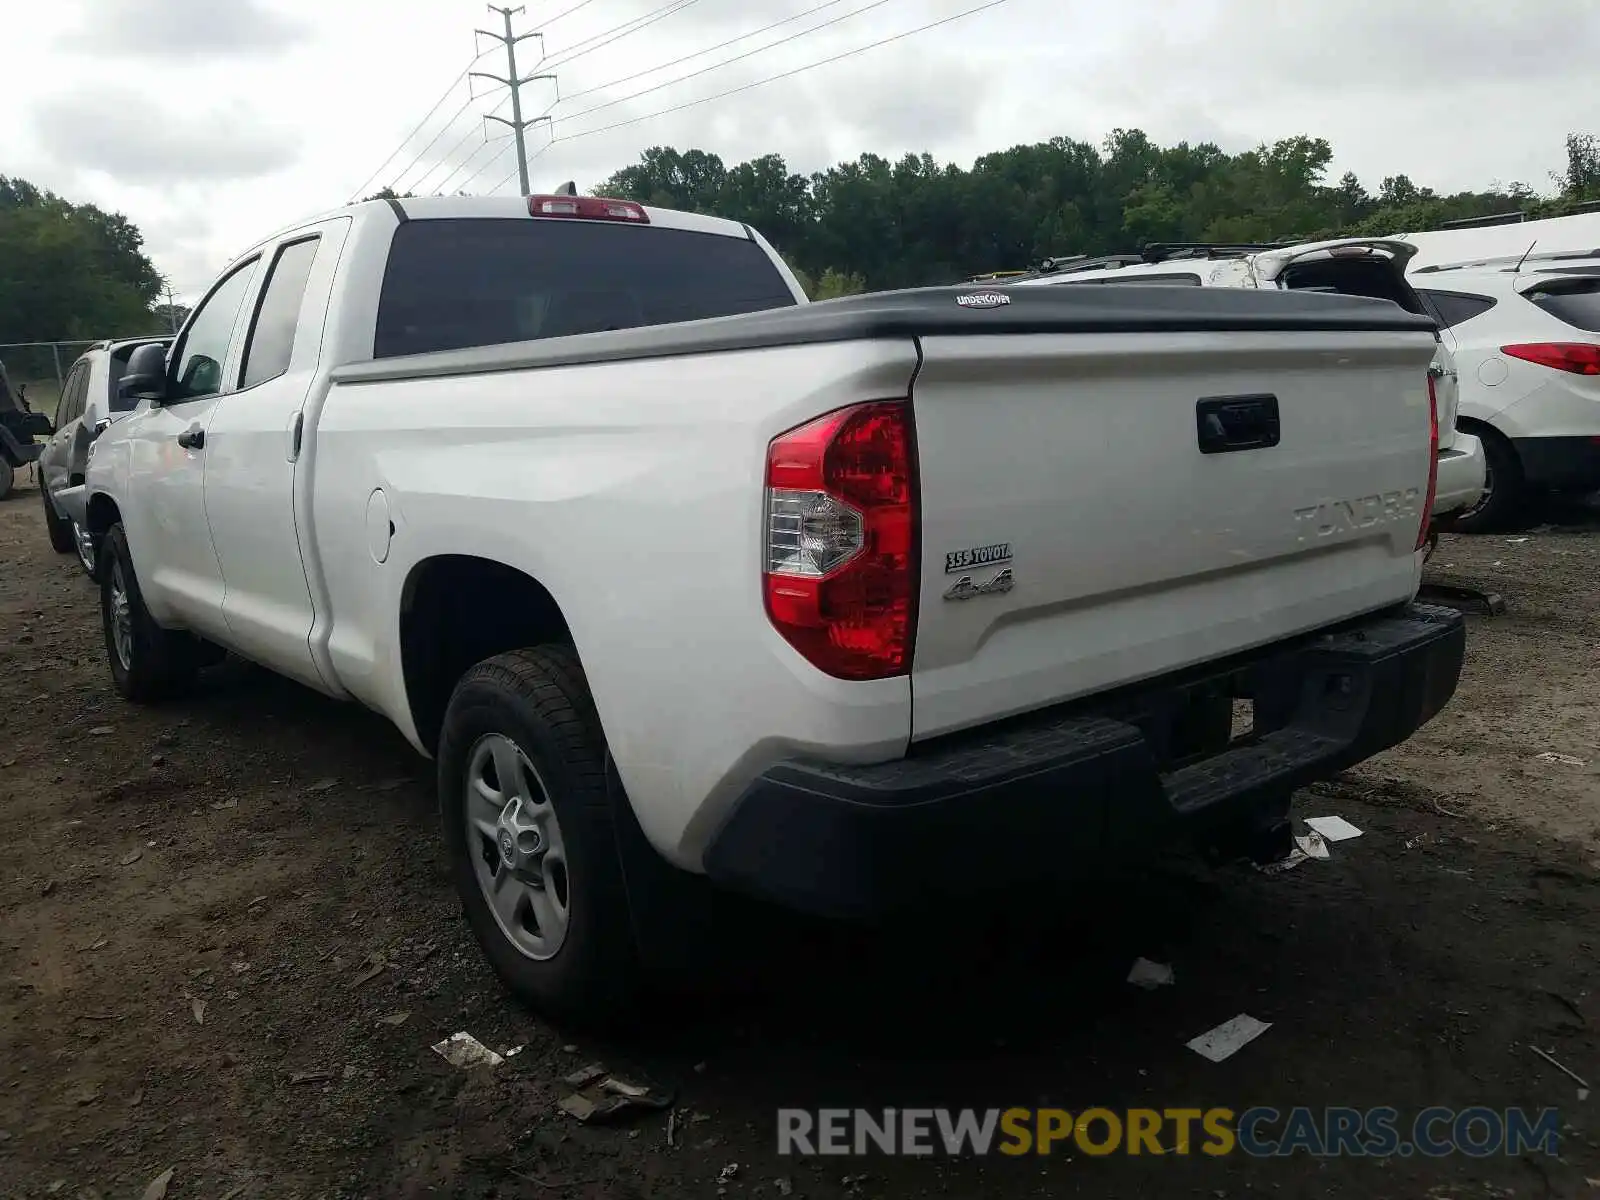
(528, 826)
(1504, 492)
(148, 663)
(8, 476)
(57, 526)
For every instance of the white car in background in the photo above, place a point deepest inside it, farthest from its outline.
(1525, 332)
(1370, 267)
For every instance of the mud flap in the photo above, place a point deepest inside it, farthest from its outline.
(673, 912)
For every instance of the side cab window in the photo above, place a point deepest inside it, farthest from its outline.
(270, 345)
(201, 354)
(71, 406)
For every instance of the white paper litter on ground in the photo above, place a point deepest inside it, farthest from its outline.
(1149, 975)
(1313, 845)
(464, 1050)
(1295, 858)
(1335, 829)
(1226, 1039)
(1566, 760)
(1288, 863)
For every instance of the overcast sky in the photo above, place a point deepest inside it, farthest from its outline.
(212, 122)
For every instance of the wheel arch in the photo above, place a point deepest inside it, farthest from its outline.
(102, 513)
(457, 610)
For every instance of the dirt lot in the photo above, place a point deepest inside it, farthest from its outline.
(228, 943)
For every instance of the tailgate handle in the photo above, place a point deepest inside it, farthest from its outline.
(1225, 424)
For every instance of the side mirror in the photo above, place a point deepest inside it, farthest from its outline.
(146, 376)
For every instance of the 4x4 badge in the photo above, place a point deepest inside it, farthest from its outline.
(965, 589)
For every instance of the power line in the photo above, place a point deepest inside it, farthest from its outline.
(499, 185)
(648, 18)
(449, 153)
(489, 163)
(725, 62)
(426, 118)
(617, 32)
(599, 40)
(698, 53)
(566, 12)
(400, 174)
(774, 78)
(531, 158)
(472, 154)
(582, 47)
(508, 178)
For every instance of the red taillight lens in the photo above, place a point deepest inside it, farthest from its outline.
(1577, 358)
(1433, 465)
(587, 208)
(840, 574)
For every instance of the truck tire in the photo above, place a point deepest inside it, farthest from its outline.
(531, 838)
(57, 526)
(1504, 491)
(148, 663)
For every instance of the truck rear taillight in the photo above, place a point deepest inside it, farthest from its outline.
(1433, 465)
(841, 555)
(1577, 358)
(587, 208)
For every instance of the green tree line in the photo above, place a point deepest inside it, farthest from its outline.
(876, 224)
(69, 271)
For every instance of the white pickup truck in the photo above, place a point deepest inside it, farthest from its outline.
(850, 605)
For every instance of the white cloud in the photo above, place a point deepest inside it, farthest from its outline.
(154, 30)
(211, 123)
(121, 132)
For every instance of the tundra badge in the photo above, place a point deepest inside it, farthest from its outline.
(965, 589)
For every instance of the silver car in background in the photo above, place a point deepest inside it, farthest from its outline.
(89, 404)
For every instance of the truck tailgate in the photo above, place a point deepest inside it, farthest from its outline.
(1094, 510)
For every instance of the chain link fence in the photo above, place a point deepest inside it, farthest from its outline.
(38, 369)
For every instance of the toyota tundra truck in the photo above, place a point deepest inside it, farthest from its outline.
(685, 583)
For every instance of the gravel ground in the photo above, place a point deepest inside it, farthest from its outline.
(228, 943)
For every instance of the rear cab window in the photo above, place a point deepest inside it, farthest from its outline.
(458, 282)
(1574, 302)
(1454, 308)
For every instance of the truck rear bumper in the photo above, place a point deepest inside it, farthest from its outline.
(1035, 797)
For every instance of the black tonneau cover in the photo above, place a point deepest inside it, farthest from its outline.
(926, 312)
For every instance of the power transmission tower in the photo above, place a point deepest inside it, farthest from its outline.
(172, 308)
(514, 82)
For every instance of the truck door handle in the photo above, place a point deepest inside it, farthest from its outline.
(192, 438)
(1226, 424)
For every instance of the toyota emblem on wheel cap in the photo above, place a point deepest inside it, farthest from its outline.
(508, 846)
(982, 299)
